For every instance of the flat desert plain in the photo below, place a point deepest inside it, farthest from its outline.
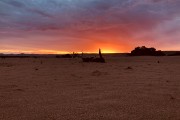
(124, 88)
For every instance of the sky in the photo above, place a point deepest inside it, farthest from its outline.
(61, 26)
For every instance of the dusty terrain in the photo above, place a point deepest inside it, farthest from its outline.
(124, 88)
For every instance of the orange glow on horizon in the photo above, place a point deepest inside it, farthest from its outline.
(108, 51)
(53, 51)
(106, 47)
(33, 52)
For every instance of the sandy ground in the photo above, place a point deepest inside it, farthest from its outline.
(124, 88)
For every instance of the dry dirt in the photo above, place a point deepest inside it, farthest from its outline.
(124, 88)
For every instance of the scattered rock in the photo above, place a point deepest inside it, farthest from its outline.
(129, 68)
(21, 90)
(9, 65)
(172, 98)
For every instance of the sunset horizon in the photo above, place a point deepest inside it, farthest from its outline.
(63, 26)
(89, 59)
(66, 52)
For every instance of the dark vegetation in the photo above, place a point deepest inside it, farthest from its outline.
(144, 51)
(175, 54)
(64, 56)
(74, 55)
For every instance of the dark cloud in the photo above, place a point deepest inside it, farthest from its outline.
(142, 13)
(13, 3)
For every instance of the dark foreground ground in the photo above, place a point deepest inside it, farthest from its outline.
(124, 88)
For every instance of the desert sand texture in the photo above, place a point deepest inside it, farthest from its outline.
(124, 88)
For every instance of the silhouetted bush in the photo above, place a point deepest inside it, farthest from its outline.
(76, 55)
(144, 51)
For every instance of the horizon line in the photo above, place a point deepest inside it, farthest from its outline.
(9, 53)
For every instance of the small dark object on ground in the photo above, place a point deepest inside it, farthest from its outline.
(158, 61)
(129, 68)
(172, 98)
(21, 90)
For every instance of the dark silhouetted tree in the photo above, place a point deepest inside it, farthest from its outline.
(144, 51)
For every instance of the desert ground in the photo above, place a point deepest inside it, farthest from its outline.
(124, 88)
